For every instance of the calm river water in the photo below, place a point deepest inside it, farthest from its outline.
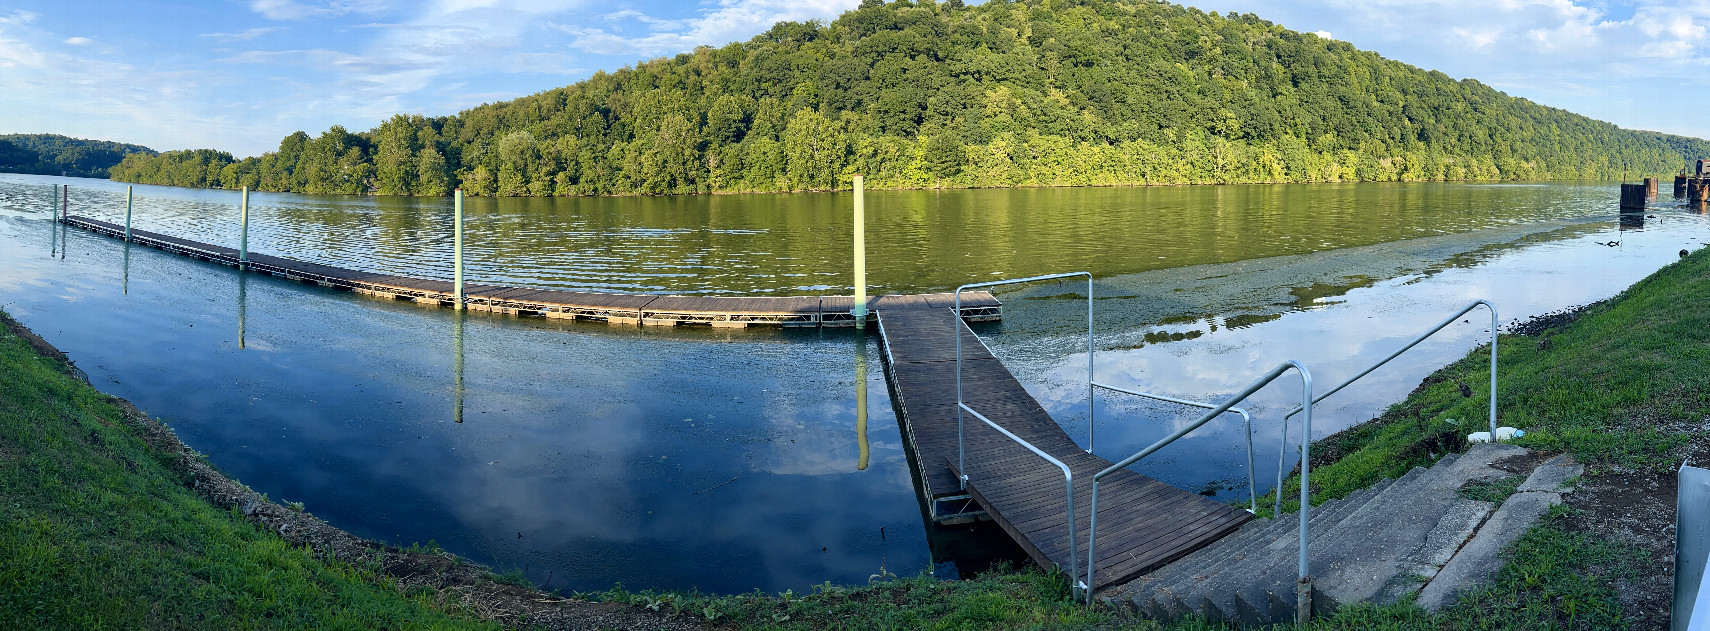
(729, 460)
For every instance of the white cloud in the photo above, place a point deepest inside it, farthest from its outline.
(1477, 38)
(240, 36)
(79, 41)
(18, 17)
(730, 20)
(301, 10)
(1324, 34)
(1604, 59)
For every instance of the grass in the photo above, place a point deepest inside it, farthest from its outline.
(1493, 491)
(97, 532)
(1621, 387)
(1003, 599)
(1554, 579)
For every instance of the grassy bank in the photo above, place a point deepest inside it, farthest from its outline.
(1621, 387)
(98, 529)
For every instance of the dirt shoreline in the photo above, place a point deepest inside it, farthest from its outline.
(451, 579)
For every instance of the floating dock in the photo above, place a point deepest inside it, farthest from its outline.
(1144, 523)
(643, 309)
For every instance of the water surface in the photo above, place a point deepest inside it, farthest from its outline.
(730, 460)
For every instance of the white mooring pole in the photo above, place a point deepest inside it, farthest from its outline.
(128, 213)
(457, 247)
(243, 241)
(860, 310)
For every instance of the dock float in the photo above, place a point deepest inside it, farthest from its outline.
(611, 308)
(1144, 523)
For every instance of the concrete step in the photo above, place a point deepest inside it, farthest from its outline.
(1273, 583)
(1254, 532)
(1197, 560)
(1282, 547)
(1278, 555)
(1365, 552)
(1366, 547)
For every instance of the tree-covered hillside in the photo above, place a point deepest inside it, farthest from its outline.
(925, 94)
(50, 154)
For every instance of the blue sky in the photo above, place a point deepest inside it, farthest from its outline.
(238, 75)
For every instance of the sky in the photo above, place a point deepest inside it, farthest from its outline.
(239, 75)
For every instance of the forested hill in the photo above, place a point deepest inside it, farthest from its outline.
(50, 154)
(924, 94)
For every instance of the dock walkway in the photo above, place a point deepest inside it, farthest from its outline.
(1144, 523)
(611, 308)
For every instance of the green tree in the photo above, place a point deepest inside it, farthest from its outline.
(814, 149)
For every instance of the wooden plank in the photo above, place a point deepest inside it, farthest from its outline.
(1145, 522)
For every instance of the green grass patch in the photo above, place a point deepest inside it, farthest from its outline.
(1003, 599)
(1622, 386)
(97, 532)
(1493, 491)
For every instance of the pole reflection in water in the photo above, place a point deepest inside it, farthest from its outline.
(53, 230)
(65, 211)
(861, 398)
(457, 365)
(126, 283)
(243, 299)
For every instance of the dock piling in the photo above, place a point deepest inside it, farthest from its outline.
(128, 198)
(243, 241)
(457, 247)
(860, 310)
(1632, 197)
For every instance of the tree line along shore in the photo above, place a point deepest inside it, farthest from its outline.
(926, 94)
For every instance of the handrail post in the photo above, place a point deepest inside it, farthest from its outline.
(1252, 473)
(1282, 456)
(1262, 381)
(1493, 320)
(1091, 401)
(1303, 599)
(961, 451)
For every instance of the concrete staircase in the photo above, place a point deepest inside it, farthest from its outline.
(1412, 535)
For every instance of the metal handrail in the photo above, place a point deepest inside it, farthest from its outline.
(1282, 451)
(1246, 421)
(961, 451)
(1069, 494)
(1304, 585)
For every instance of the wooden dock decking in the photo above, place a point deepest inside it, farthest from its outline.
(1143, 523)
(644, 309)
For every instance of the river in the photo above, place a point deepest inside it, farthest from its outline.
(729, 460)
